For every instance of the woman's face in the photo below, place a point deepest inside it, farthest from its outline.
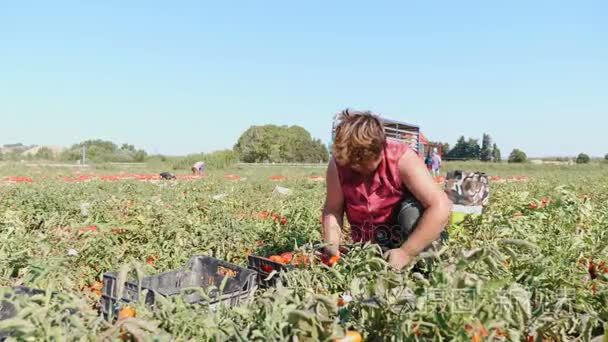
(366, 168)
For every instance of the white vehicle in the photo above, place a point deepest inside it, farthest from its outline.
(400, 131)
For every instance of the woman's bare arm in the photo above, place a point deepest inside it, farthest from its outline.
(437, 206)
(333, 211)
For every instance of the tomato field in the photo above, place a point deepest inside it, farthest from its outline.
(532, 267)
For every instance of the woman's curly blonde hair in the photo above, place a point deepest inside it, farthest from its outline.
(359, 137)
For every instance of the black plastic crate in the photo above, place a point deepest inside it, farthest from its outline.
(201, 271)
(264, 267)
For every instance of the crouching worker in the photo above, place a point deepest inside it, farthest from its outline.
(198, 168)
(167, 176)
(385, 190)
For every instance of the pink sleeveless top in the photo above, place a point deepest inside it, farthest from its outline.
(366, 211)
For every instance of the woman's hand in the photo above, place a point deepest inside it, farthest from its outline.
(331, 250)
(397, 258)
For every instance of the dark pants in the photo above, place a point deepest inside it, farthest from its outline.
(407, 218)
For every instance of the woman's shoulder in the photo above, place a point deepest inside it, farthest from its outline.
(396, 149)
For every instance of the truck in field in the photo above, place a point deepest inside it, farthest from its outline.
(401, 131)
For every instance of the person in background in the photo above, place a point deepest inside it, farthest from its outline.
(436, 162)
(198, 168)
(385, 190)
(429, 162)
(167, 175)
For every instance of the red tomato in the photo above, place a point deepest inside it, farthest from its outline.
(118, 230)
(351, 336)
(96, 288)
(287, 257)
(603, 268)
(267, 268)
(592, 270)
(330, 261)
(277, 258)
(416, 330)
(501, 332)
(151, 260)
(126, 312)
(88, 229)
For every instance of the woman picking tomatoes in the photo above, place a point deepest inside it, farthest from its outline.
(198, 168)
(384, 189)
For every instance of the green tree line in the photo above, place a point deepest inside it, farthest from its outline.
(471, 150)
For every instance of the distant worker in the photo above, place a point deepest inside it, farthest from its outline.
(198, 168)
(429, 162)
(436, 164)
(385, 191)
(167, 175)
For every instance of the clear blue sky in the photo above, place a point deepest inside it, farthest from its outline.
(188, 76)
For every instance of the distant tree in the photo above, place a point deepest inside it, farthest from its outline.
(606, 157)
(445, 147)
(220, 159)
(214, 160)
(320, 151)
(139, 156)
(17, 145)
(459, 150)
(127, 147)
(15, 150)
(104, 151)
(496, 156)
(486, 148)
(465, 149)
(473, 150)
(582, 159)
(45, 153)
(518, 156)
(279, 144)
